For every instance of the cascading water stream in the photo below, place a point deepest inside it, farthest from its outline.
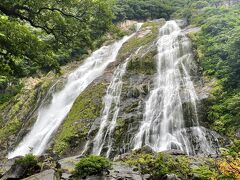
(164, 126)
(111, 103)
(138, 26)
(111, 109)
(51, 116)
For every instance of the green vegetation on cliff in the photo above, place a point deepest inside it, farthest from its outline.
(218, 49)
(77, 124)
(144, 62)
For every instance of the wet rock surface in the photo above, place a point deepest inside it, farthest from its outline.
(17, 171)
(45, 166)
(45, 175)
(170, 177)
(119, 171)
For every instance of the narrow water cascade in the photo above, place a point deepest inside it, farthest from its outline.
(110, 112)
(164, 126)
(111, 103)
(51, 116)
(138, 26)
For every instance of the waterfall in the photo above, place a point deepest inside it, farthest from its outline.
(138, 26)
(164, 126)
(111, 101)
(111, 109)
(51, 116)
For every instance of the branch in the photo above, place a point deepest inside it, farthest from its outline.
(13, 12)
(78, 17)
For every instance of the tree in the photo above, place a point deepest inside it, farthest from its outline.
(64, 20)
(41, 35)
(142, 9)
(38, 33)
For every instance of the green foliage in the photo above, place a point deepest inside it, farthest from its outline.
(204, 172)
(10, 128)
(29, 165)
(142, 9)
(42, 35)
(161, 164)
(91, 165)
(27, 161)
(194, 10)
(9, 87)
(217, 47)
(233, 150)
(22, 50)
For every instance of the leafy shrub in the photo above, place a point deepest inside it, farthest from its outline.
(91, 165)
(27, 161)
(29, 165)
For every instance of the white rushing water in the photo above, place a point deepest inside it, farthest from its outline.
(164, 127)
(110, 112)
(138, 26)
(51, 116)
(111, 103)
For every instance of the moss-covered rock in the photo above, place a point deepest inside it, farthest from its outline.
(147, 35)
(145, 64)
(77, 124)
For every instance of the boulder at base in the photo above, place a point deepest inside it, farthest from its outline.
(45, 175)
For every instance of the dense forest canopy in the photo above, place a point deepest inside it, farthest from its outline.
(39, 34)
(142, 9)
